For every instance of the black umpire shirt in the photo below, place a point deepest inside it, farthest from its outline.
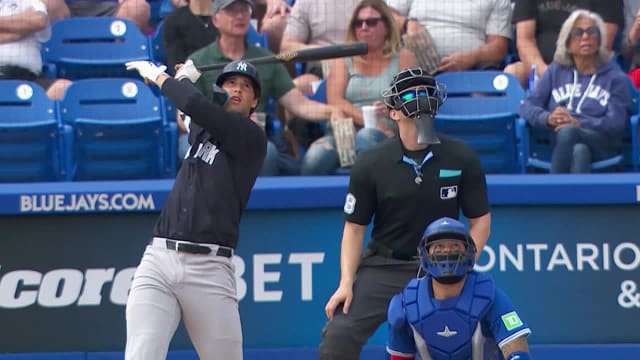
(215, 180)
(404, 199)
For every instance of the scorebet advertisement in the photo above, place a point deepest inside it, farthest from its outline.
(571, 272)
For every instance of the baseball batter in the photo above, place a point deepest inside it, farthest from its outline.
(186, 270)
(453, 312)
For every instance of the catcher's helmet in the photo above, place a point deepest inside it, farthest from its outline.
(425, 96)
(447, 267)
(241, 67)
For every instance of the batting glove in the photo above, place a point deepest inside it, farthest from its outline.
(188, 70)
(146, 69)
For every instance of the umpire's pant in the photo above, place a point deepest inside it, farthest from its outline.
(377, 280)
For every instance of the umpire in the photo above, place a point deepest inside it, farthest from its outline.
(186, 271)
(404, 184)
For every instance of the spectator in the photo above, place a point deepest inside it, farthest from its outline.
(231, 18)
(476, 37)
(538, 24)
(137, 11)
(274, 21)
(24, 25)
(311, 24)
(57, 9)
(583, 96)
(631, 35)
(358, 81)
(315, 23)
(187, 29)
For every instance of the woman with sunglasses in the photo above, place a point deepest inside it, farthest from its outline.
(583, 97)
(358, 81)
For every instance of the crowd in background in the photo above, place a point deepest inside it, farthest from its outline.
(523, 37)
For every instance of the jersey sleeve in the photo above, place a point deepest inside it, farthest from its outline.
(400, 340)
(524, 10)
(504, 321)
(360, 202)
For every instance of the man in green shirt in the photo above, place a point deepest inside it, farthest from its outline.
(232, 19)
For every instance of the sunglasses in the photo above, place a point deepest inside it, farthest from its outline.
(371, 22)
(590, 31)
(412, 94)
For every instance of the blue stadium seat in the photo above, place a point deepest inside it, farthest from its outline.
(166, 8)
(87, 47)
(537, 145)
(30, 134)
(320, 95)
(156, 11)
(482, 108)
(156, 45)
(255, 38)
(119, 131)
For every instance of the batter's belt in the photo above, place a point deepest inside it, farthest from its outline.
(192, 248)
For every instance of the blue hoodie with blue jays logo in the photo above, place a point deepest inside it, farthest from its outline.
(600, 101)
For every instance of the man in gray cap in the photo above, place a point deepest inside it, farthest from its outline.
(231, 18)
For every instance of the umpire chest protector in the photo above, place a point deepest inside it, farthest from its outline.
(449, 328)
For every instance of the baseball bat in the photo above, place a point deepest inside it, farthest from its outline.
(319, 53)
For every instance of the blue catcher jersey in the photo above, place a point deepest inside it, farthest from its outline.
(471, 326)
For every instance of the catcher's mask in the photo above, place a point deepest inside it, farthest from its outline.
(451, 263)
(418, 95)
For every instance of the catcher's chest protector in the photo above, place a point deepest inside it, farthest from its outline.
(447, 331)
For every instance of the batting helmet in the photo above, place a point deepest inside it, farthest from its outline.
(447, 267)
(241, 67)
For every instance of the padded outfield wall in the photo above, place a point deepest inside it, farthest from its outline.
(565, 248)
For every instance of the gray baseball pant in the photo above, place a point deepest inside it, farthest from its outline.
(199, 288)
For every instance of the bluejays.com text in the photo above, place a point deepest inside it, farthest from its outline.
(86, 202)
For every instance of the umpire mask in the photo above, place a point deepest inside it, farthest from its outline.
(418, 95)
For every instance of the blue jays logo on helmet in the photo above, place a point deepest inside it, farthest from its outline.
(447, 267)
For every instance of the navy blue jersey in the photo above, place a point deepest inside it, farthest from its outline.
(215, 180)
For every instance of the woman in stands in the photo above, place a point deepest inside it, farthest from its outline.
(359, 81)
(583, 96)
